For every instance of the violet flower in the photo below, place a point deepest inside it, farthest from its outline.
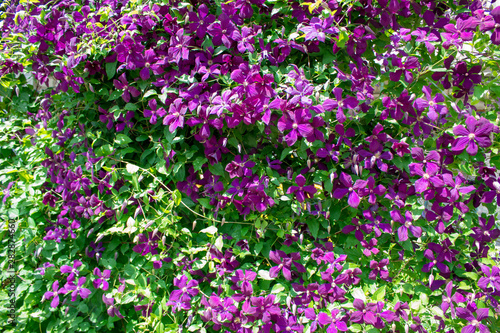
(448, 300)
(406, 225)
(435, 109)
(55, 294)
(175, 116)
(112, 309)
(474, 321)
(148, 243)
(78, 289)
(318, 29)
(298, 124)
(240, 167)
(340, 104)
(371, 190)
(154, 113)
(285, 262)
(349, 189)
(468, 77)
(476, 134)
(491, 278)
(334, 321)
(302, 191)
(364, 313)
(101, 282)
(494, 25)
(65, 269)
(186, 289)
(378, 268)
(122, 84)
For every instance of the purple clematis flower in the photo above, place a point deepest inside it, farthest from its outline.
(65, 269)
(186, 289)
(302, 191)
(175, 117)
(55, 294)
(78, 289)
(404, 68)
(448, 300)
(112, 309)
(491, 278)
(467, 77)
(285, 262)
(148, 243)
(371, 190)
(319, 28)
(406, 225)
(122, 84)
(435, 109)
(484, 233)
(101, 282)
(154, 113)
(334, 321)
(365, 312)
(429, 177)
(240, 167)
(349, 189)
(474, 321)
(340, 104)
(298, 124)
(379, 268)
(494, 25)
(476, 134)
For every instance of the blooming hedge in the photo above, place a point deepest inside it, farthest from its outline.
(251, 165)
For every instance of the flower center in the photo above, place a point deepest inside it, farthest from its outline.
(295, 125)
(176, 114)
(474, 323)
(210, 62)
(426, 176)
(472, 136)
(351, 189)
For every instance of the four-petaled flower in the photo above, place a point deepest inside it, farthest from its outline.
(302, 191)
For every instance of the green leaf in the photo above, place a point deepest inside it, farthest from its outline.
(205, 202)
(122, 139)
(104, 150)
(130, 270)
(198, 163)
(130, 107)
(216, 169)
(379, 294)
(177, 197)
(111, 69)
(150, 93)
(277, 288)
(313, 225)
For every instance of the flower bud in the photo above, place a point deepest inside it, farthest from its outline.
(116, 255)
(90, 232)
(99, 238)
(194, 224)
